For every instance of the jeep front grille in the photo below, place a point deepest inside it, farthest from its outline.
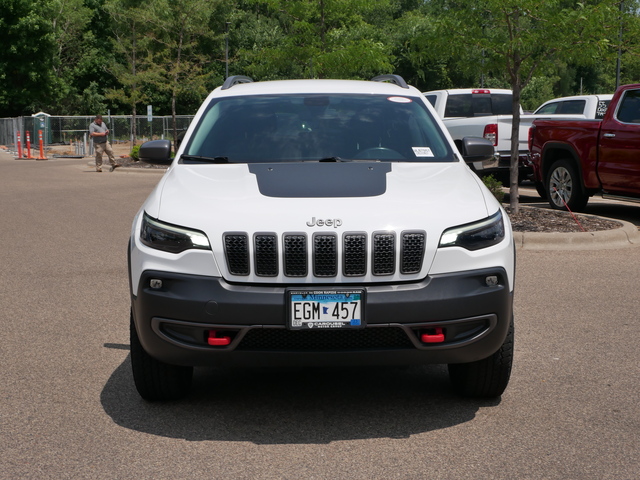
(295, 255)
(236, 248)
(324, 257)
(355, 254)
(384, 253)
(412, 252)
(266, 254)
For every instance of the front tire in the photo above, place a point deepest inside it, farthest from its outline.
(487, 378)
(564, 187)
(156, 380)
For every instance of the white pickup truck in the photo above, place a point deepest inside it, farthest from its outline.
(475, 112)
(484, 112)
(589, 106)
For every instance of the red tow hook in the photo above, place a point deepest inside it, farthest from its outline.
(216, 341)
(437, 337)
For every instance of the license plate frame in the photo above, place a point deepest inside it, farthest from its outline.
(344, 309)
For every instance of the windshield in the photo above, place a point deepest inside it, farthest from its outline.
(291, 128)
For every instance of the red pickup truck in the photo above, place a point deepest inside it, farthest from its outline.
(576, 159)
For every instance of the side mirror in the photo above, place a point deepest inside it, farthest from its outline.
(477, 149)
(157, 152)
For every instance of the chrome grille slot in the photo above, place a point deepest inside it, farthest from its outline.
(384, 253)
(325, 255)
(355, 254)
(295, 255)
(236, 247)
(412, 252)
(266, 254)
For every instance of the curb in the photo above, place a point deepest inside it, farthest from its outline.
(625, 236)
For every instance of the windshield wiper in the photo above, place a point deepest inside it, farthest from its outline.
(203, 159)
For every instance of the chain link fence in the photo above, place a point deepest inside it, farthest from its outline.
(61, 130)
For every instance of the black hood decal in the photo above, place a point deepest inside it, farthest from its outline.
(321, 179)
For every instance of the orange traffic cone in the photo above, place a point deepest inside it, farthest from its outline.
(42, 155)
(27, 153)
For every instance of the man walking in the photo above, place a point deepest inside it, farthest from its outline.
(99, 131)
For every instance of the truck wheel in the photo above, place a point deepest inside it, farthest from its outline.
(156, 380)
(485, 378)
(564, 187)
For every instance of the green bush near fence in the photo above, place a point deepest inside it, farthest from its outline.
(134, 153)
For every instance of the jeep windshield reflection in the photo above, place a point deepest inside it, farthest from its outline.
(329, 128)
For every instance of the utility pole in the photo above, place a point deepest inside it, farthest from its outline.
(619, 48)
(226, 50)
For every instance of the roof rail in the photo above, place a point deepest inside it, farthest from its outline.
(235, 80)
(395, 79)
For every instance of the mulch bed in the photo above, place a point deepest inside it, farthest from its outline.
(534, 219)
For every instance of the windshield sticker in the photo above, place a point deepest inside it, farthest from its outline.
(422, 151)
(400, 99)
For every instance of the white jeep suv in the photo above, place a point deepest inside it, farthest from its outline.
(320, 222)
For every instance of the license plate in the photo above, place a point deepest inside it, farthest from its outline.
(310, 309)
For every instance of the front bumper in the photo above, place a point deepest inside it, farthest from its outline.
(173, 322)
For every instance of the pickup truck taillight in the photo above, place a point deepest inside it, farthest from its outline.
(491, 133)
(530, 137)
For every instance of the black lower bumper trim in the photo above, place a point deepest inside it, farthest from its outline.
(174, 322)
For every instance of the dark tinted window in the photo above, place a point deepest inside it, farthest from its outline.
(282, 128)
(501, 104)
(459, 106)
(548, 109)
(431, 99)
(629, 111)
(572, 107)
(478, 105)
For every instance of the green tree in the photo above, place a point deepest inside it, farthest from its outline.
(176, 28)
(538, 91)
(26, 56)
(626, 44)
(412, 37)
(316, 39)
(132, 63)
(69, 21)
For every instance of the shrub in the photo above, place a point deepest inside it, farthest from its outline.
(494, 186)
(134, 153)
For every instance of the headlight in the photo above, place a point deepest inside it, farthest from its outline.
(476, 235)
(171, 238)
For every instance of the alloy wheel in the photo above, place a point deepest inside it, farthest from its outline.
(560, 186)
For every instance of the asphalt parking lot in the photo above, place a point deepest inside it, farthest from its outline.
(68, 407)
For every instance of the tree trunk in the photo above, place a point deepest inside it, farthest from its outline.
(134, 98)
(515, 144)
(174, 94)
(322, 26)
